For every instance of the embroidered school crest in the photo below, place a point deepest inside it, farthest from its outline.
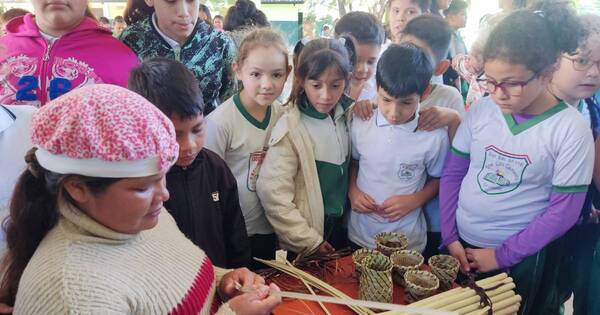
(254, 162)
(502, 172)
(406, 171)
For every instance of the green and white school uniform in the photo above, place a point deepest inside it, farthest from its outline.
(239, 139)
(331, 142)
(514, 168)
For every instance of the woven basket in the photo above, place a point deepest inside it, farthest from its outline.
(404, 261)
(389, 242)
(444, 267)
(376, 279)
(359, 255)
(419, 285)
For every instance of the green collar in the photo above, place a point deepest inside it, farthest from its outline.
(258, 124)
(516, 129)
(309, 110)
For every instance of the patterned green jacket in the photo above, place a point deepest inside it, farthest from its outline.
(208, 53)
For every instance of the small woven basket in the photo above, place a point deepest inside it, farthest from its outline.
(419, 285)
(359, 255)
(376, 279)
(445, 268)
(404, 261)
(389, 242)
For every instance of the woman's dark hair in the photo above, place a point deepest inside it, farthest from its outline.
(136, 10)
(404, 70)
(244, 14)
(423, 4)
(318, 55)
(206, 11)
(33, 213)
(169, 85)
(537, 36)
(363, 26)
(456, 6)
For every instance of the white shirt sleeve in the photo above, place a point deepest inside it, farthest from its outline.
(574, 164)
(217, 137)
(461, 145)
(437, 156)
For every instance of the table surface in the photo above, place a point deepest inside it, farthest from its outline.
(343, 278)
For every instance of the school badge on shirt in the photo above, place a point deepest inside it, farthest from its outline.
(502, 172)
(254, 162)
(406, 172)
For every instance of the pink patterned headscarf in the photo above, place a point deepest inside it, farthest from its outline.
(103, 131)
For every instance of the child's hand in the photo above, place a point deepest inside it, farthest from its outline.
(437, 117)
(256, 302)
(325, 248)
(396, 207)
(364, 109)
(458, 251)
(484, 260)
(361, 202)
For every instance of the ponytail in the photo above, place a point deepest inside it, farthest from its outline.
(32, 214)
(537, 36)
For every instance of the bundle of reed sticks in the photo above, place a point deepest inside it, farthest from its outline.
(499, 288)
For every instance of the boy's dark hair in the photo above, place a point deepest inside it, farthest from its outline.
(363, 26)
(118, 19)
(169, 85)
(537, 36)
(316, 57)
(103, 20)
(433, 31)
(456, 6)
(244, 14)
(218, 16)
(11, 14)
(403, 70)
(423, 4)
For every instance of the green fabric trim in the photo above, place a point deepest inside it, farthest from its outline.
(570, 189)
(309, 110)
(346, 101)
(516, 129)
(258, 124)
(333, 180)
(460, 153)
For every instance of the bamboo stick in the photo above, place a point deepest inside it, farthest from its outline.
(506, 303)
(496, 299)
(482, 311)
(508, 310)
(482, 283)
(451, 300)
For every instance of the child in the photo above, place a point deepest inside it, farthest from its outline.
(118, 26)
(388, 174)
(368, 33)
(303, 180)
(456, 15)
(88, 232)
(218, 22)
(57, 50)
(521, 161)
(575, 81)
(438, 7)
(400, 12)
(239, 128)
(204, 195)
(161, 28)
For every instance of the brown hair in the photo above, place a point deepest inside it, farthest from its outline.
(261, 37)
(316, 57)
(136, 10)
(32, 215)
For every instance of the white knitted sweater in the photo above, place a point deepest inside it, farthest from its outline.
(82, 267)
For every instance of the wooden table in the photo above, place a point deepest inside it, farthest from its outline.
(344, 279)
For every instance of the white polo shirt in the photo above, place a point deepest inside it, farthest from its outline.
(238, 138)
(514, 168)
(394, 160)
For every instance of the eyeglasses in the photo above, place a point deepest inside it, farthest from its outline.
(583, 64)
(512, 88)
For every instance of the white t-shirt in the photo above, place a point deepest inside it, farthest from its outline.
(394, 160)
(15, 141)
(449, 97)
(238, 139)
(514, 168)
(369, 92)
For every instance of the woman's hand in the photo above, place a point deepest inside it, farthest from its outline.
(259, 301)
(248, 279)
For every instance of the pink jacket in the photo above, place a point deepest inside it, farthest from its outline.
(34, 72)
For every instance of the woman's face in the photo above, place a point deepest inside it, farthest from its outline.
(176, 18)
(58, 17)
(127, 206)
